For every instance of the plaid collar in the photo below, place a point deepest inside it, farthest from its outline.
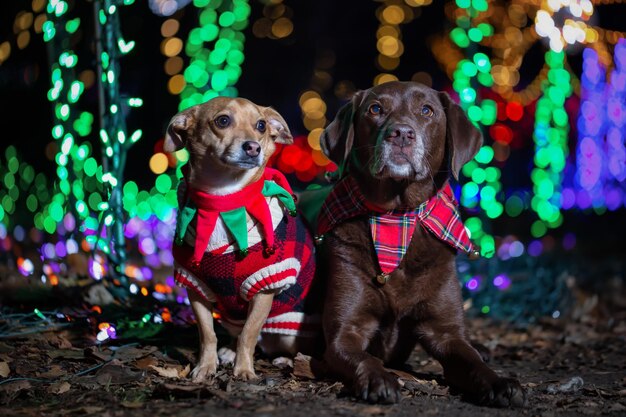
(392, 230)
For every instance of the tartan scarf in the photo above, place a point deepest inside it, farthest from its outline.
(392, 230)
(232, 209)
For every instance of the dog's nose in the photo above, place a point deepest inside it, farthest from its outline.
(251, 148)
(400, 134)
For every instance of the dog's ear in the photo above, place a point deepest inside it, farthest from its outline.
(463, 139)
(178, 130)
(279, 131)
(337, 139)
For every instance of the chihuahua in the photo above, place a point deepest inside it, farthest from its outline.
(241, 251)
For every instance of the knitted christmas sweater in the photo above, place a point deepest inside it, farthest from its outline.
(227, 259)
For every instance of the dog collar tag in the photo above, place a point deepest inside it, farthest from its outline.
(382, 278)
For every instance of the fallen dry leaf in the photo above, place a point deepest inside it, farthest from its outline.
(131, 353)
(187, 391)
(11, 390)
(59, 387)
(145, 363)
(66, 353)
(404, 375)
(166, 372)
(184, 372)
(55, 371)
(58, 341)
(4, 370)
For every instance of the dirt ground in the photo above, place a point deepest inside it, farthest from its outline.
(568, 370)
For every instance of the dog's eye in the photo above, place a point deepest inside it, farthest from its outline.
(261, 126)
(222, 121)
(375, 109)
(427, 111)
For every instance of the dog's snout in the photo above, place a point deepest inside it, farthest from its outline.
(400, 134)
(251, 148)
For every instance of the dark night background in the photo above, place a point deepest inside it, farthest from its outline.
(275, 72)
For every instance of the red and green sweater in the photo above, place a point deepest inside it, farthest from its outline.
(229, 248)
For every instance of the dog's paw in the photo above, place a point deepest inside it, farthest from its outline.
(375, 385)
(505, 392)
(244, 373)
(203, 371)
(226, 356)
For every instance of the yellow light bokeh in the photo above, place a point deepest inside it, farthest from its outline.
(418, 3)
(311, 124)
(321, 80)
(87, 77)
(39, 21)
(307, 95)
(314, 138)
(176, 84)
(423, 77)
(314, 104)
(169, 28)
(5, 50)
(282, 27)
(319, 158)
(158, 163)
(390, 46)
(344, 89)
(387, 63)
(393, 15)
(171, 46)
(274, 12)
(23, 39)
(262, 27)
(173, 65)
(387, 30)
(23, 21)
(38, 5)
(384, 78)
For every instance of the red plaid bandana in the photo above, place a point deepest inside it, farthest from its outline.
(392, 230)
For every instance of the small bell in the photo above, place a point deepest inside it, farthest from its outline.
(293, 213)
(178, 241)
(382, 278)
(243, 253)
(318, 239)
(474, 254)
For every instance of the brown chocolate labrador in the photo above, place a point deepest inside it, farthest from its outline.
(399, 142)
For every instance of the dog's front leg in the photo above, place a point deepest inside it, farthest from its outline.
(259, 309)
(346, 356)
(443, 336)
(207, 362)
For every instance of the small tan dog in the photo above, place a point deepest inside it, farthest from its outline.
(239, 253)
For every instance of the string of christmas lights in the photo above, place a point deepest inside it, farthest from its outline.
(391, 14)
(215, 50)
(483, 188)
(600, 151)
(69, 124)
(551, 145)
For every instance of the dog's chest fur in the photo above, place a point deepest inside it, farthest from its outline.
(425, 268)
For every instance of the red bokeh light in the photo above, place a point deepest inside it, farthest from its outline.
(501, 133)
(514, 111)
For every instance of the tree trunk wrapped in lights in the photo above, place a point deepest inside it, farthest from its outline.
(110, 47)
(65, 92)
